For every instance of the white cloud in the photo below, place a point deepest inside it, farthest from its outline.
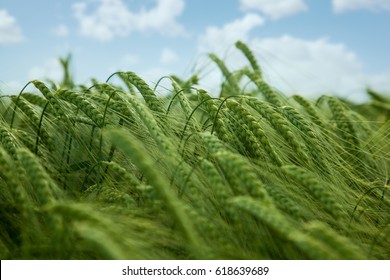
(61, 30)
(313, 67)
(340, 6)
(130, 59)
(127, 62)
(113, 18)
(50, 69)
(215, 38)
(10, 31)
(292, 65)
(168, 56)
(310, 66)
(275, 9)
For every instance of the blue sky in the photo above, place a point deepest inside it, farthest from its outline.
(304, 46)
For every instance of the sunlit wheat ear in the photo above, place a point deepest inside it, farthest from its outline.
(43, 89)
(47, 93)
(308, 133)
(304, 126)
(245, 118)
(132, 148)
(150, 98)
(81, 102)
(251, 58)
(34, 120)
(54, 107)
(298, 121)
(310, 109)
(318, 190)
(270, 95)
(248, 144)
(345, 127)
(280, 124)
(211, 108)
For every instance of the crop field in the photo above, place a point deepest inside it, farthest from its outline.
(119, 171)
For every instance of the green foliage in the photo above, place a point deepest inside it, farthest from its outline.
(112, 172)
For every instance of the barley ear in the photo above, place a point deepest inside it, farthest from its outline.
(150, 98)
(250, 56)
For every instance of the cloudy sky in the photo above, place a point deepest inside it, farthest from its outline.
(304, 46)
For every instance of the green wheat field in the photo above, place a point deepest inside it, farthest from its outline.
(118, 171)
